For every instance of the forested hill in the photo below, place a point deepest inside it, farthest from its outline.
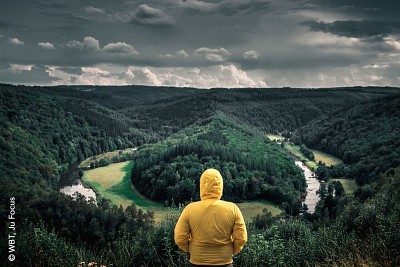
(253, 166)
(117, 97)
(100, 105)
(270, 110)
(160, 111)
(366, 137)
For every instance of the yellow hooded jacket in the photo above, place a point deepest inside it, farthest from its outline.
(211, 230)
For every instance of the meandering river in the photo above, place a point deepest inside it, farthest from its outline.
(70, 183)
(312, 187)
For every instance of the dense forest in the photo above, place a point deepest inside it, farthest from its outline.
(269, 110)
(179, 132)
(365, 137)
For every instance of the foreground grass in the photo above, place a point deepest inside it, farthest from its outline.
(114, 183)
(325, 158)
(349, 185)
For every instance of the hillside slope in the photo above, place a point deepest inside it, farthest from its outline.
(270, 110)
(366, 137)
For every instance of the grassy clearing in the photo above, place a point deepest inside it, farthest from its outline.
(325, 158)
(295, 150)
(114, 182)
(250, 209)
(108, 156)
(107, 176)
(349, 185)
(273, 137)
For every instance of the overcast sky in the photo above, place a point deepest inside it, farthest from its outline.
(209, 43)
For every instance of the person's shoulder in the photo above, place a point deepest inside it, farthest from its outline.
(192, 208)
(192, 204)
(233, 208)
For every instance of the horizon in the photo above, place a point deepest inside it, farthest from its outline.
(201, 44)
(200, 88)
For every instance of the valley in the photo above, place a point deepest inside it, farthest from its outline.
(142, 150)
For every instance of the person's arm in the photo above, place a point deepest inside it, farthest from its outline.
(182, 232)
(239, 232)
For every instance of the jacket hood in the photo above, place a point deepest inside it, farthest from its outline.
(211, 185)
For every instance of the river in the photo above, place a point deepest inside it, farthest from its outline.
(312, 186)
(70, 183)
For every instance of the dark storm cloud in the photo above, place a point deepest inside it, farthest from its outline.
(276, 41)
(384, 6)
(359, 29)
(375, 18)
(226, 7)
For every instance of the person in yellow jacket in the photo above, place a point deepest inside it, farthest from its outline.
(211, 230)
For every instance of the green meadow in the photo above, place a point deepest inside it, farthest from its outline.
(113, 182)
(325, 158)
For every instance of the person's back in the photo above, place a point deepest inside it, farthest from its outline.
(211, 229)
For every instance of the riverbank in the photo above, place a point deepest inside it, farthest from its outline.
(313, 185)
(309, 167)
(295, 151)
(70, 183)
